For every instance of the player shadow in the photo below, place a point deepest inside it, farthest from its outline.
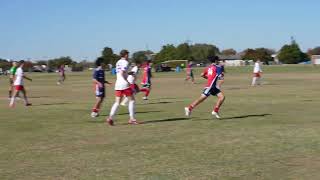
(161, 102)
(246, 116)
(165, 120)
(51, 104)
(38, 97)
(126, 113)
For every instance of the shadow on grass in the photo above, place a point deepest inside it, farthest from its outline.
(165, 120)
(161, 102)
(126, 113)
(246, 116)
(51, 104)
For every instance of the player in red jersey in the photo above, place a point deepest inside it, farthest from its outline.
(146, 79)
(190, 72)
(62, 74)
(212, 74)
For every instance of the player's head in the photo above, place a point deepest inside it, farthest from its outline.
(14, 63)
(99, 61)
(124, 54)
(258, 60)
(214, 59)
(21, 63)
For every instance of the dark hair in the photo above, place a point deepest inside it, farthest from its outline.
(213, 59)
(21, 62)
(124, 52)
(99, 61)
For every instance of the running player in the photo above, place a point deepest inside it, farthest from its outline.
(210, 73)
(257, 70)
(19, 85)
(13, 70)
(190, 72)
(122, 88)
(62, 75)
(99, 85)
(132, 76)
(146, 79)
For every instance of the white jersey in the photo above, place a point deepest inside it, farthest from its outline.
(132, 78)
(121, 83)
(19, 77)
(257, 68)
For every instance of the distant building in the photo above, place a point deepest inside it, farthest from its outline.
(315, 59)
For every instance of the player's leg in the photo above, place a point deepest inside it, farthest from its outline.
(132, 110)
(125, 101)
(146, 89)
(97, 106)
(254, 81)
(194, 104)
(24, 92)
(13, 97)
(11, 88)
(115, 107)
(218, 104)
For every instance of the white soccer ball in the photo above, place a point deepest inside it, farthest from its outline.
(94, 114)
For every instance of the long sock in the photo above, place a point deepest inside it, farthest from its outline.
(114, 110)
(132, 109)
(254, 81)
(190, 107)
(124, 101)
(216, 109)
(10, 93)
(13, 99)
(25, 100)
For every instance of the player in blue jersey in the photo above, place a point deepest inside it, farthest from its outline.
(99, 86)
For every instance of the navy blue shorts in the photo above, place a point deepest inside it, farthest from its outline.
(146, 85)
(100, 92)
(214, 91)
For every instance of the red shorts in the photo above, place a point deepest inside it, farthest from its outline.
(19, 87)
(256, 75)
(126, 92)
(135, 88)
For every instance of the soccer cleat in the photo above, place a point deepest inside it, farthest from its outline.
(28, 104)
(187, 111)
(133, 122)
(94, 114)
(145, 98)
(110, 122)
(216, 114)
(123, 104)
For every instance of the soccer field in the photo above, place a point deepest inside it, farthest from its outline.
(267, 132)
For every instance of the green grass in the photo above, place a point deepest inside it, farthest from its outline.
(268, 132)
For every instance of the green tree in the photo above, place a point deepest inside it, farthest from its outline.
(139, 56)
(263, 54)
(291, 54)
(183, 52)
(200, 52)
(168, 52)
(229, 52)
(108, 56)
(55, 63)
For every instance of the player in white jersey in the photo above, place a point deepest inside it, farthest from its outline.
(122, 89)
(19, 85)
(256, 80)
(132, 76)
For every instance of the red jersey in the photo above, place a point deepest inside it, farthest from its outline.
(211, 73)
(189, 68)
(146, 77)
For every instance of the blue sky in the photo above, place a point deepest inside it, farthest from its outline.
(81, 28)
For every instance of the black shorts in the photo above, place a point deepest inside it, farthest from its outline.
(146, 86)
(100, 92)
(214, 91)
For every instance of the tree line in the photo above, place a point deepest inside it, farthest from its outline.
(288, 54)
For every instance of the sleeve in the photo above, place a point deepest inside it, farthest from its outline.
(205, 72)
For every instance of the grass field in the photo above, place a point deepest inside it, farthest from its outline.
(267, 132)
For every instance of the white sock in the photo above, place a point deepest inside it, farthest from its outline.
(12, 100)
(254, 80)
(131, 108)
(114, 110)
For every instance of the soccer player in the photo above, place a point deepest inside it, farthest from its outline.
(211, 73)
(132, 76)
(13, 70)
(122, 88)
(19, 85)
(257, 70)
(62, 75)
(146, 79)
(190, 72)
(99, 85)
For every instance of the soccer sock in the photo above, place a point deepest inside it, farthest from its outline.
(95, 110)
(254, 80)
(125, 101)
(13, 99)
(10, 93)
(190, 107)
(131, 108)
(147, 92)
(216, 109)
(114, 110)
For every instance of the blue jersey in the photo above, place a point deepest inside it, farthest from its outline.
(98, 75)
(219, 69)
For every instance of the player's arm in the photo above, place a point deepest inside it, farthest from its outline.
(123, 73)
(26, 77)
(95, 77)
(205, 73)
(107, 82)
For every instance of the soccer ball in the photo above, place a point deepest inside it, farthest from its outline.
(94, 114)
